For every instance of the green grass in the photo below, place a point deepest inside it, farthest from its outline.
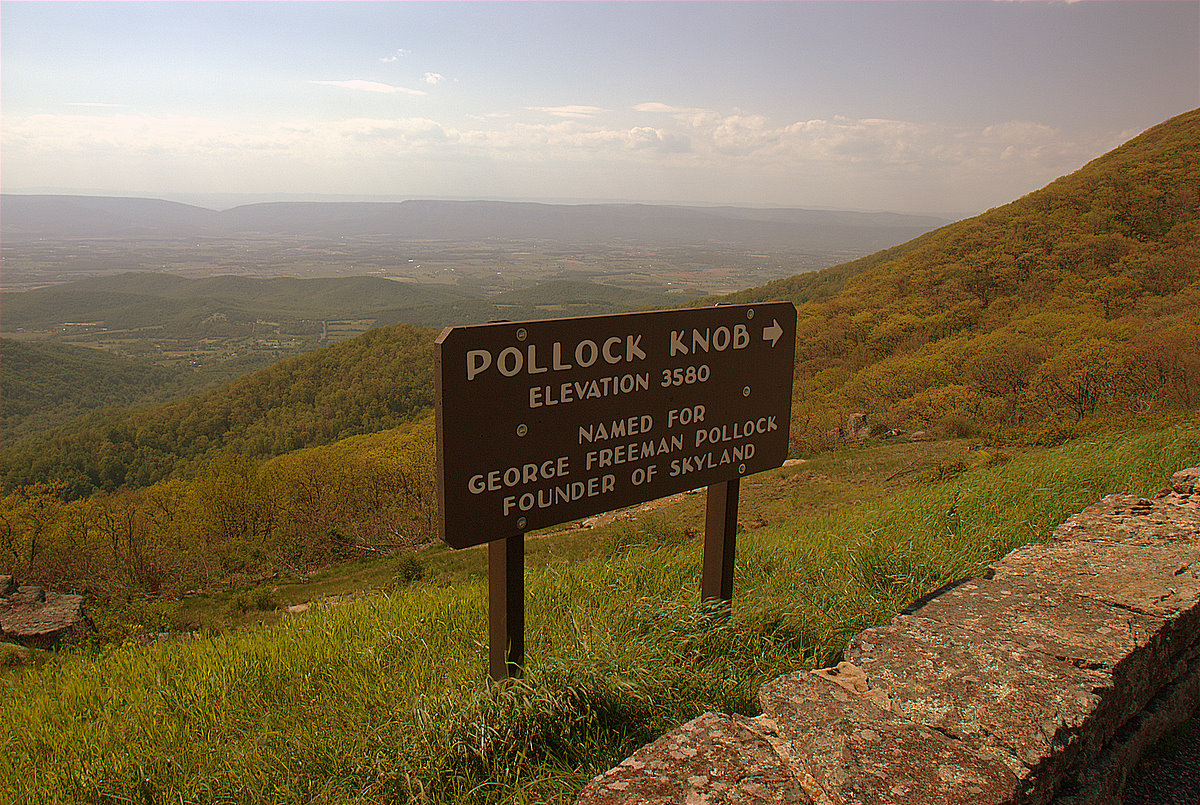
(383, 698)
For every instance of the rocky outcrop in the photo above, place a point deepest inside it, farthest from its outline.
(857, 429)
(1042, 681)
(32, 617)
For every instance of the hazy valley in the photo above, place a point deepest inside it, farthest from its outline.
(195, 297)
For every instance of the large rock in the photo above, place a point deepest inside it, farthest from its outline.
(38, 619)
(715, 759)
(1036, 713)
(857, 428)
(849, 748)
(1186, 482)
(1135, 520)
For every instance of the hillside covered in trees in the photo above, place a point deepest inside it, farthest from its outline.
(34, 393)
(377, 381)
(1079, 300)
(233, 515)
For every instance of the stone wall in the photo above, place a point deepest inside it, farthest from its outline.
(1043, 681)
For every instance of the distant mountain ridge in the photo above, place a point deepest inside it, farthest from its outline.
(69, 217)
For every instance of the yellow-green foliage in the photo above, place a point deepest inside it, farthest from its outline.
(239, 515)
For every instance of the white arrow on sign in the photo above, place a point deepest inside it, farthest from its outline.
(773, 332)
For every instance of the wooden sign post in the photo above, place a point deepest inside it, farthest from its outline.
(506, 607)
(544, 422)
(720, 543)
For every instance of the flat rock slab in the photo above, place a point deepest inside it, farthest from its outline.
(1135, 520)
(43, 624)
(850, 751)
(1037, 612)
(715, 759)
(1034, 712)
(1159, 578)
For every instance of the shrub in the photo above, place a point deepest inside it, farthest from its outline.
(258, 600)
(409, 569)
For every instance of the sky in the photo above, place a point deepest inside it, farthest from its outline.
(946, 107)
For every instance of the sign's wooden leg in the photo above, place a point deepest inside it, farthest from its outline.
(506, 607)
(720, 543)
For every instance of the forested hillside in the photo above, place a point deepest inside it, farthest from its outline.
(235, 515)
(44, 382)
(1079, 300)
(376, 381)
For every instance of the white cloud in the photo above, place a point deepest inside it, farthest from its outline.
(433, 78)
(654, 106)
(660, 140)
(397, 56)
(177, 138)
(837, 161)
(743, 134)
(568, 111)
(98, 105)
(370, 86)
(407, 132)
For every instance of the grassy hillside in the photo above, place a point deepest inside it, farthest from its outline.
(383, 699)
(1074, 307)
(1078, 301)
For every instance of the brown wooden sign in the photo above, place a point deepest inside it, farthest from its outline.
(543, 422)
